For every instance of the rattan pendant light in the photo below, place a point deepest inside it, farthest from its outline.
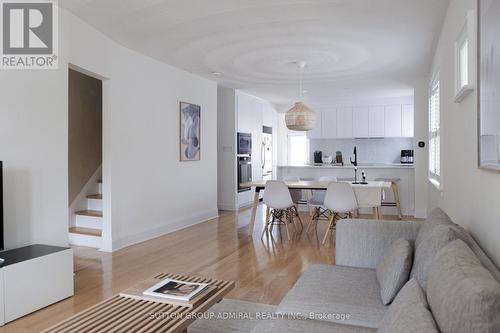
(300, 117)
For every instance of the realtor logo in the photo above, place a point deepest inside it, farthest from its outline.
(29, 34)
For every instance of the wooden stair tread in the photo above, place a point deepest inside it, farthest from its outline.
(95, 196)
(92, 213)
(85, 231)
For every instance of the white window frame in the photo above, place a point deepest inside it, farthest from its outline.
(289, 146)
(462, 89)
(435, 170)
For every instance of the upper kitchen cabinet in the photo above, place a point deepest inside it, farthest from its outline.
(393, 123)
(316, 132)
(376, 121)
(385, 121)
(250, 110)
(329, 124)
(360, 125)
(407, 121)
(345, 122)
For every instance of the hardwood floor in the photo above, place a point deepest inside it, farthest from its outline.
(264, 270)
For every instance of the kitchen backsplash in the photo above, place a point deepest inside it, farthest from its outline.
(387, 150)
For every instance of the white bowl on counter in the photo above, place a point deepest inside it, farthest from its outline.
(327, 159)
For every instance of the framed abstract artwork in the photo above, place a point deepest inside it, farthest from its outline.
(489, 85)
(189, 143)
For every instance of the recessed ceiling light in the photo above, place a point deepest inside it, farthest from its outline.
(216, 73)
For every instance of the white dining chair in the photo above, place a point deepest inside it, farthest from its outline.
(316, 203)
(279, 204)
(295, 193)
(341, 201)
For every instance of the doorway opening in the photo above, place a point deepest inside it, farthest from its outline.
(85, 156)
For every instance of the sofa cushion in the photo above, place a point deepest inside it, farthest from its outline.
(328, 292)
(430, 239)
(437, 216)
(394, 268)
(305, 325)
(409, 312)
(462, 293)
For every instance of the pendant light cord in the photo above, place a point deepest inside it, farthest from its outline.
(301, 65)
(300, 85)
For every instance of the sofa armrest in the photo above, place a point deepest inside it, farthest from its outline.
(361, 243)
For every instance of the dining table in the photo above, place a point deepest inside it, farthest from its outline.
(368, 195)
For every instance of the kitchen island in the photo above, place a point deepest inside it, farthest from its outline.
(405, 172)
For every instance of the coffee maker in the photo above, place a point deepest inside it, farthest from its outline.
(318, 157)
(407, 156)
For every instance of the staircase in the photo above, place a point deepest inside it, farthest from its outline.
(88, 222)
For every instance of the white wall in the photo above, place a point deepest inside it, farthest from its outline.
(227, 149)
(33, 148)
(421, 132)
(282, 140)
(152, 192)
(470, 195)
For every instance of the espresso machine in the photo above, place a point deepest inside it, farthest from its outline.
(318, 157)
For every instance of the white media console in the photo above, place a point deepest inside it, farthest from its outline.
(33, 277)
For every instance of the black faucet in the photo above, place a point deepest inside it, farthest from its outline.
(355, 163)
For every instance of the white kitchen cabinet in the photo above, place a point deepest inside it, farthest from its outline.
(360, 119)
(393, 121)
(329, 126)
(407, 121)
(250, 120)
(316, 132)
(376, 121)
(344, 122)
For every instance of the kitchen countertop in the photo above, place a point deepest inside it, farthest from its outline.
(350, 166)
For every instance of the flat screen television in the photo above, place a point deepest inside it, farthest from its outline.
(1, 206)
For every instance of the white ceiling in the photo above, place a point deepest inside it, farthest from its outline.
(354, 49)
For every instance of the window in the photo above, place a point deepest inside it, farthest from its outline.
(463, 63)
(463, 78)
(298, 148)
(434, 135)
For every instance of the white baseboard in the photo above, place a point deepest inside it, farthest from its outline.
(172, 226)
(227, 207)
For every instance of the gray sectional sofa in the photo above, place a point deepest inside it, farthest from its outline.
(453, 286)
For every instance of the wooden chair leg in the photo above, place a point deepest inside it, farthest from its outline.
(313, 219)
(271, 225)
(396, 197)
(330, 226)
(380, 216)
(296, 213)
(268, 223)
(266, 229)
(287, 221)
